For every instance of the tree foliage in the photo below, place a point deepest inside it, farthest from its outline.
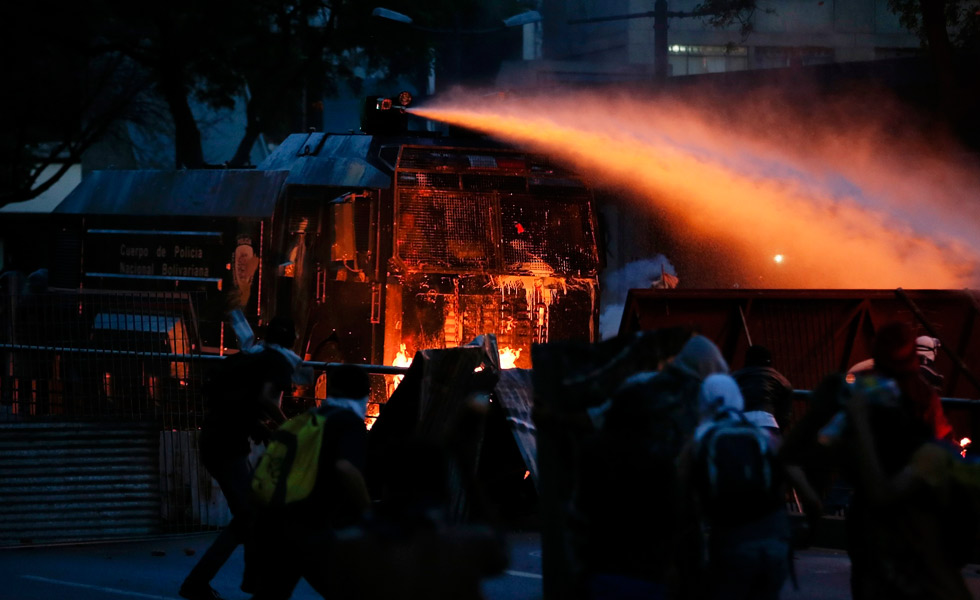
(282, 54)
(723, 13)
(63, 92)
(950, 30)
(956, 20)
(76, 70)
(185, 47)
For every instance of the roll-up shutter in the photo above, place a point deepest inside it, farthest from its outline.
(78, 481)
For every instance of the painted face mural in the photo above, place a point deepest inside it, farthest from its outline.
(244, 265)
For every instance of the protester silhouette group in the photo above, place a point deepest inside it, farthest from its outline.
(681, 488)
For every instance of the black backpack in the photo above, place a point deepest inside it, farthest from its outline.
(736, 470)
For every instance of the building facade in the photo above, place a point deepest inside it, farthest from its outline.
(578, 47)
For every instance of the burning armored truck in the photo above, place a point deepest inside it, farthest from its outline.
(376, 245)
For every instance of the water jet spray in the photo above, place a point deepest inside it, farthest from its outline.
(841, 198)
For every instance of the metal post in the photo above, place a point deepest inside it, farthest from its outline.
(660, 64)
(745, 325)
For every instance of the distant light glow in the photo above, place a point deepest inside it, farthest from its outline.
(778, 259)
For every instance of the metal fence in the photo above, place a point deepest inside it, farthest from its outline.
(98, 355)
(100, 405)
(100, 408)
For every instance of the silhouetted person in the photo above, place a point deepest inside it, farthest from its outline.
(909, 531)
(896, 358)
(639, 540)
(926, 349)
(245, 390)
(732, 470)
(887, 541)
(411, 549)
(767, 393)
(295, 540)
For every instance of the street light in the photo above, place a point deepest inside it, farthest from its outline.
(525, 18)
(385, 13)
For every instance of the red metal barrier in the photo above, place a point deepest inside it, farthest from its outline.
(815, 332)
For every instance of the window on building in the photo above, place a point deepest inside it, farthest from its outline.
(696, 60)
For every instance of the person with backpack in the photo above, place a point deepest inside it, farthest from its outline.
(737, 483)
(308, 485)
(636, 538)
(243, 392)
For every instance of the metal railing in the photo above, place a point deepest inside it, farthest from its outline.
(104, 391)
(101, 401)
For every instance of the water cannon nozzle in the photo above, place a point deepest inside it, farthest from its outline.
(385, 115)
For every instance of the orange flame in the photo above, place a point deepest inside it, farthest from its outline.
(964, 443)
(401, 357)
(401, 360)
(508, 357)
(848, 201)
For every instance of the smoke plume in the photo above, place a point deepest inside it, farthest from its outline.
(616, 283)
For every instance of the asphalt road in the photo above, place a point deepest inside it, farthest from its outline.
(153, 569)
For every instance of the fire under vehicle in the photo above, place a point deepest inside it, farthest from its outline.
(376, 245)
